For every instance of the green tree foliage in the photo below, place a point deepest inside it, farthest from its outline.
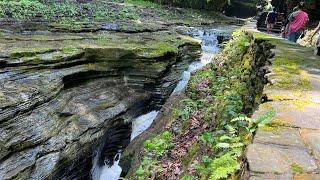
(63, 11)
(198, 4)
(311, 6)
(23, 9)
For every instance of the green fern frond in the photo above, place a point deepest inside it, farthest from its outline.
(223, 166)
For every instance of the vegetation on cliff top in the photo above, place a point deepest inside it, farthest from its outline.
(217, 5)
(75, 13)
(211, 129)
(28, 9)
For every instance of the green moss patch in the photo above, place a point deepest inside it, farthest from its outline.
(296, 168)
(162, 47)
(159, 50)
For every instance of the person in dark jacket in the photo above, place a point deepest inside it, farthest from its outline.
(271, 20)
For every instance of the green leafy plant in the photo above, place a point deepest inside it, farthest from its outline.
(159, 144)
(296, 168)
(229, 144)
(218, 168)
(223, 166)
(154, 149)
(189, 106)
(23, 9)
(147, 168)
(186, 178)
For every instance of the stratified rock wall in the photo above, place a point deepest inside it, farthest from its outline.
(58, 102)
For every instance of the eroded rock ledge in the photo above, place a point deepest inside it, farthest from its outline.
(61, 93)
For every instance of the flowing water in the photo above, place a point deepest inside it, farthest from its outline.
(209, 47)
(142, 123)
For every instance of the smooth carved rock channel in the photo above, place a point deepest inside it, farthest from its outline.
(62, 95)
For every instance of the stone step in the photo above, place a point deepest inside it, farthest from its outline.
(268, 158)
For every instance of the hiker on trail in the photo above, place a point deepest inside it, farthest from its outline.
(285, 26)
(317, 48)
(298, 21)
(271, 19)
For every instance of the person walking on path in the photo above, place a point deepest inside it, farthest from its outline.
(271, 19)
(298, 22)
(317, 48)
(285, 27)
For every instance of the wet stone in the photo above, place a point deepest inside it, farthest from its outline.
(110, 26)
(280, 136)
(266, 158)
(45, 165)
(279, 94)
(264, 176)
(312, 138)
(307, 177)
(308, 117)
(18, 162)
(315, 92)
(298, 114)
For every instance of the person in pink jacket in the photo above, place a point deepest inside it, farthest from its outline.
(298, 22)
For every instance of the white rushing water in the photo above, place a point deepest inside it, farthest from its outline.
(142, 123)
(209, 47)
(139, 125)
(106, 172)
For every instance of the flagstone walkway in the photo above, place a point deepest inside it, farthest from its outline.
(289, 148)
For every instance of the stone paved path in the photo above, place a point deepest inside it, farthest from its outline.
(289, 148)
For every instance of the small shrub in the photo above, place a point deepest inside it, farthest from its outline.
(147, 168)
(159, 144)
(23, 9)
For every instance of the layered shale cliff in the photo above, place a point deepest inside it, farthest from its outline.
(63, 94)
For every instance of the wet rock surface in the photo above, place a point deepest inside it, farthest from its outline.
(60, 94)
(280, 136)
(281, 158)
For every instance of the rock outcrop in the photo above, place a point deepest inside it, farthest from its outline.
(60, 94)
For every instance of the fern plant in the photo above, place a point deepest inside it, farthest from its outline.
(223, 166)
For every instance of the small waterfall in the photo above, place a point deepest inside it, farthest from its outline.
(142, 123)
(106, 172)
(113, 172)
(105, 163)
(209, 47)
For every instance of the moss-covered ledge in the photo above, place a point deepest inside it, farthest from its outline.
(204, 136)
(287, 148)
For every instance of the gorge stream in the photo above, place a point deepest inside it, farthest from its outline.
(111, 170)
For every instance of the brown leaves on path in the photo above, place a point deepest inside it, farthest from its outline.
(172, 161)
